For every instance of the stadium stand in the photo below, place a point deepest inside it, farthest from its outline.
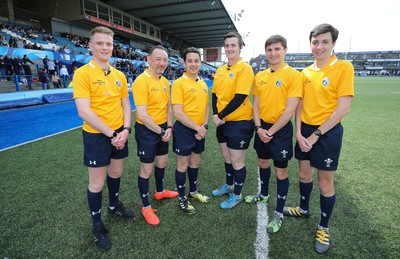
(371, 63)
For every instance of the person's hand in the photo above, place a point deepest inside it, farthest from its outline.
(201, 132)
(119, 141)
(167, 136)
(264, 135)
(304, 144)
(217, 121)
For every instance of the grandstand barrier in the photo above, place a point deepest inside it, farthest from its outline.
(19, 103)
(28, 98)
(59, 97)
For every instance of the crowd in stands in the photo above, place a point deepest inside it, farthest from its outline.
(52, 72)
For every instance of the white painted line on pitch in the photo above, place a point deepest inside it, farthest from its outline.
(40, 138)
(393, 92)
(262, 240)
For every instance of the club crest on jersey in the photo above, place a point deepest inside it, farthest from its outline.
(325, 82)
(205, 90)
(118, 83)
(279, 82)
(165, 89)
(231, 75)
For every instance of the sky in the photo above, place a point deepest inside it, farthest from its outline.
(364, 25)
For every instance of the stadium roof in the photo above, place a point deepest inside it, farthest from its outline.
(200, 23)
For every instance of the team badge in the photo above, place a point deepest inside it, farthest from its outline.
(165, 89)
(279, 82)
(118, 83)
(205, 90)
(231, 75)
(325, 82)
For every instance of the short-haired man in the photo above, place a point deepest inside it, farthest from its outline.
(276, 94)
(328, 88)
(153, 128)
(191, 110)
(102, 101)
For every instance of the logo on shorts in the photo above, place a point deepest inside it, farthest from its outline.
(118, 83)
(242, 143)
(328, 162)
(279, 82)
(141, 153)
(284, 153)
(92, 162)
(326, 81)
(177, 150)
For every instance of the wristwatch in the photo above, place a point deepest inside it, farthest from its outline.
(128, 129)
(206, 126)
(162, 132)
(114, 135)
(318, 133)
(257, 128)
(170, 127)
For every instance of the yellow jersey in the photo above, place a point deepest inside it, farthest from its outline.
(104, 92)
(322, 88)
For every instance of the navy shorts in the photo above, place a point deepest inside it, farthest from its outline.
(185, 141)
(236, 134)
(280, 147)
(98, 150)
(149, 143)
(324, 154)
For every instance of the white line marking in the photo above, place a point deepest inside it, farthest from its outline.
(393, 92)
(262, 240)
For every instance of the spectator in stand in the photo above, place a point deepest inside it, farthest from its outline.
(45, 60)
(64, 71)
(66, 50)
(51, 67)
(44, 78)
(57, 65)
(9, 66)
(55, 79)
(17, 66)
(3, 41)
(20, 43)
(2, 69)
(25, 60)
(12, 42)
(28, 74)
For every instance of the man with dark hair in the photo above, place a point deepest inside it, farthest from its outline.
(328, 88)
(191, 110)
(277, 91)
(102, 101)
(233, 116)
(153, 128)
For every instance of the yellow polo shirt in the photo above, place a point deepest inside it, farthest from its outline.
(153, 93)
(104, 91)
(193, 96)
(229, 81)
(273, 90)
(322, 88)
